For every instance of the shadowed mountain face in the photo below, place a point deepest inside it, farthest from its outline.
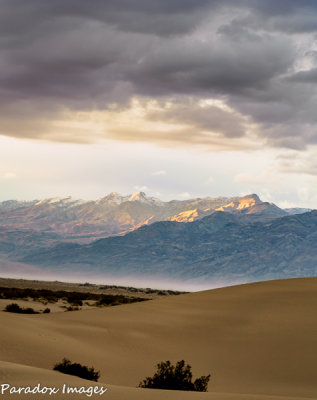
(85, 221)
(220, 247)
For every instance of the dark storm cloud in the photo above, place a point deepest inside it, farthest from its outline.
(66, 55)
(162, 17)
(307, 76)
(217, 66)
(289, 16)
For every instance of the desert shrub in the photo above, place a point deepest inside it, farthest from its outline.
(178, 377)
(29, 310)
(73, 298)
(72, 308)
(114, 300)
(15, 308)
(82, 371)
(76, 302)
(46, 311)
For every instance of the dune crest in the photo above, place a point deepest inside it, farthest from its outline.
(256, 339)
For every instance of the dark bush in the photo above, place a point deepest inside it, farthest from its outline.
(114, 300)
(15, 308)
(82, 371)
(74, 298)
(29, 310)
(72, 308)
(178, 377)
(46, 311)
(76, 302)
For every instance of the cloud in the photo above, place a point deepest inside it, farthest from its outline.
(185, 122)
(305, 76)
(65, 64)
(303, 193)
(141, 188)
(183, 196)
(249, 178)
(246, 178)
(293, 162)
(159, 173)
(9, 175)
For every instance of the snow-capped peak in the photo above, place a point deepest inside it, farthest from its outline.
(137, 196)
(59, 201)
(142, 198)
(113, 197)
(116, 198)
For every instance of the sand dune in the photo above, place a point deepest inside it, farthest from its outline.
(22, 376)
(257, 339)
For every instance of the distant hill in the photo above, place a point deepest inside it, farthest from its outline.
(223, 246)
(296, 210)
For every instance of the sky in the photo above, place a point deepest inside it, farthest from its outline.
(179, 99)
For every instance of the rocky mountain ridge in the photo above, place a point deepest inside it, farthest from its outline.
(84, 221)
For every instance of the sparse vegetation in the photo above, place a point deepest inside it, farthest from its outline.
(111, 300)
(178, 377)
(72, 308)
(82, 371)
(15, 308)
(74, 298)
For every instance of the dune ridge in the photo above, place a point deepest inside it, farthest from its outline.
(255, 339)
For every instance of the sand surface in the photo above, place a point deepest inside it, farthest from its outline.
(23, 376)
(257, 341)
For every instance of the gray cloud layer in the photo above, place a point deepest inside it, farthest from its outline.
(258, 56)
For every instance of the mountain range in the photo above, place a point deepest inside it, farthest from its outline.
(238, 239)
(84, 221)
